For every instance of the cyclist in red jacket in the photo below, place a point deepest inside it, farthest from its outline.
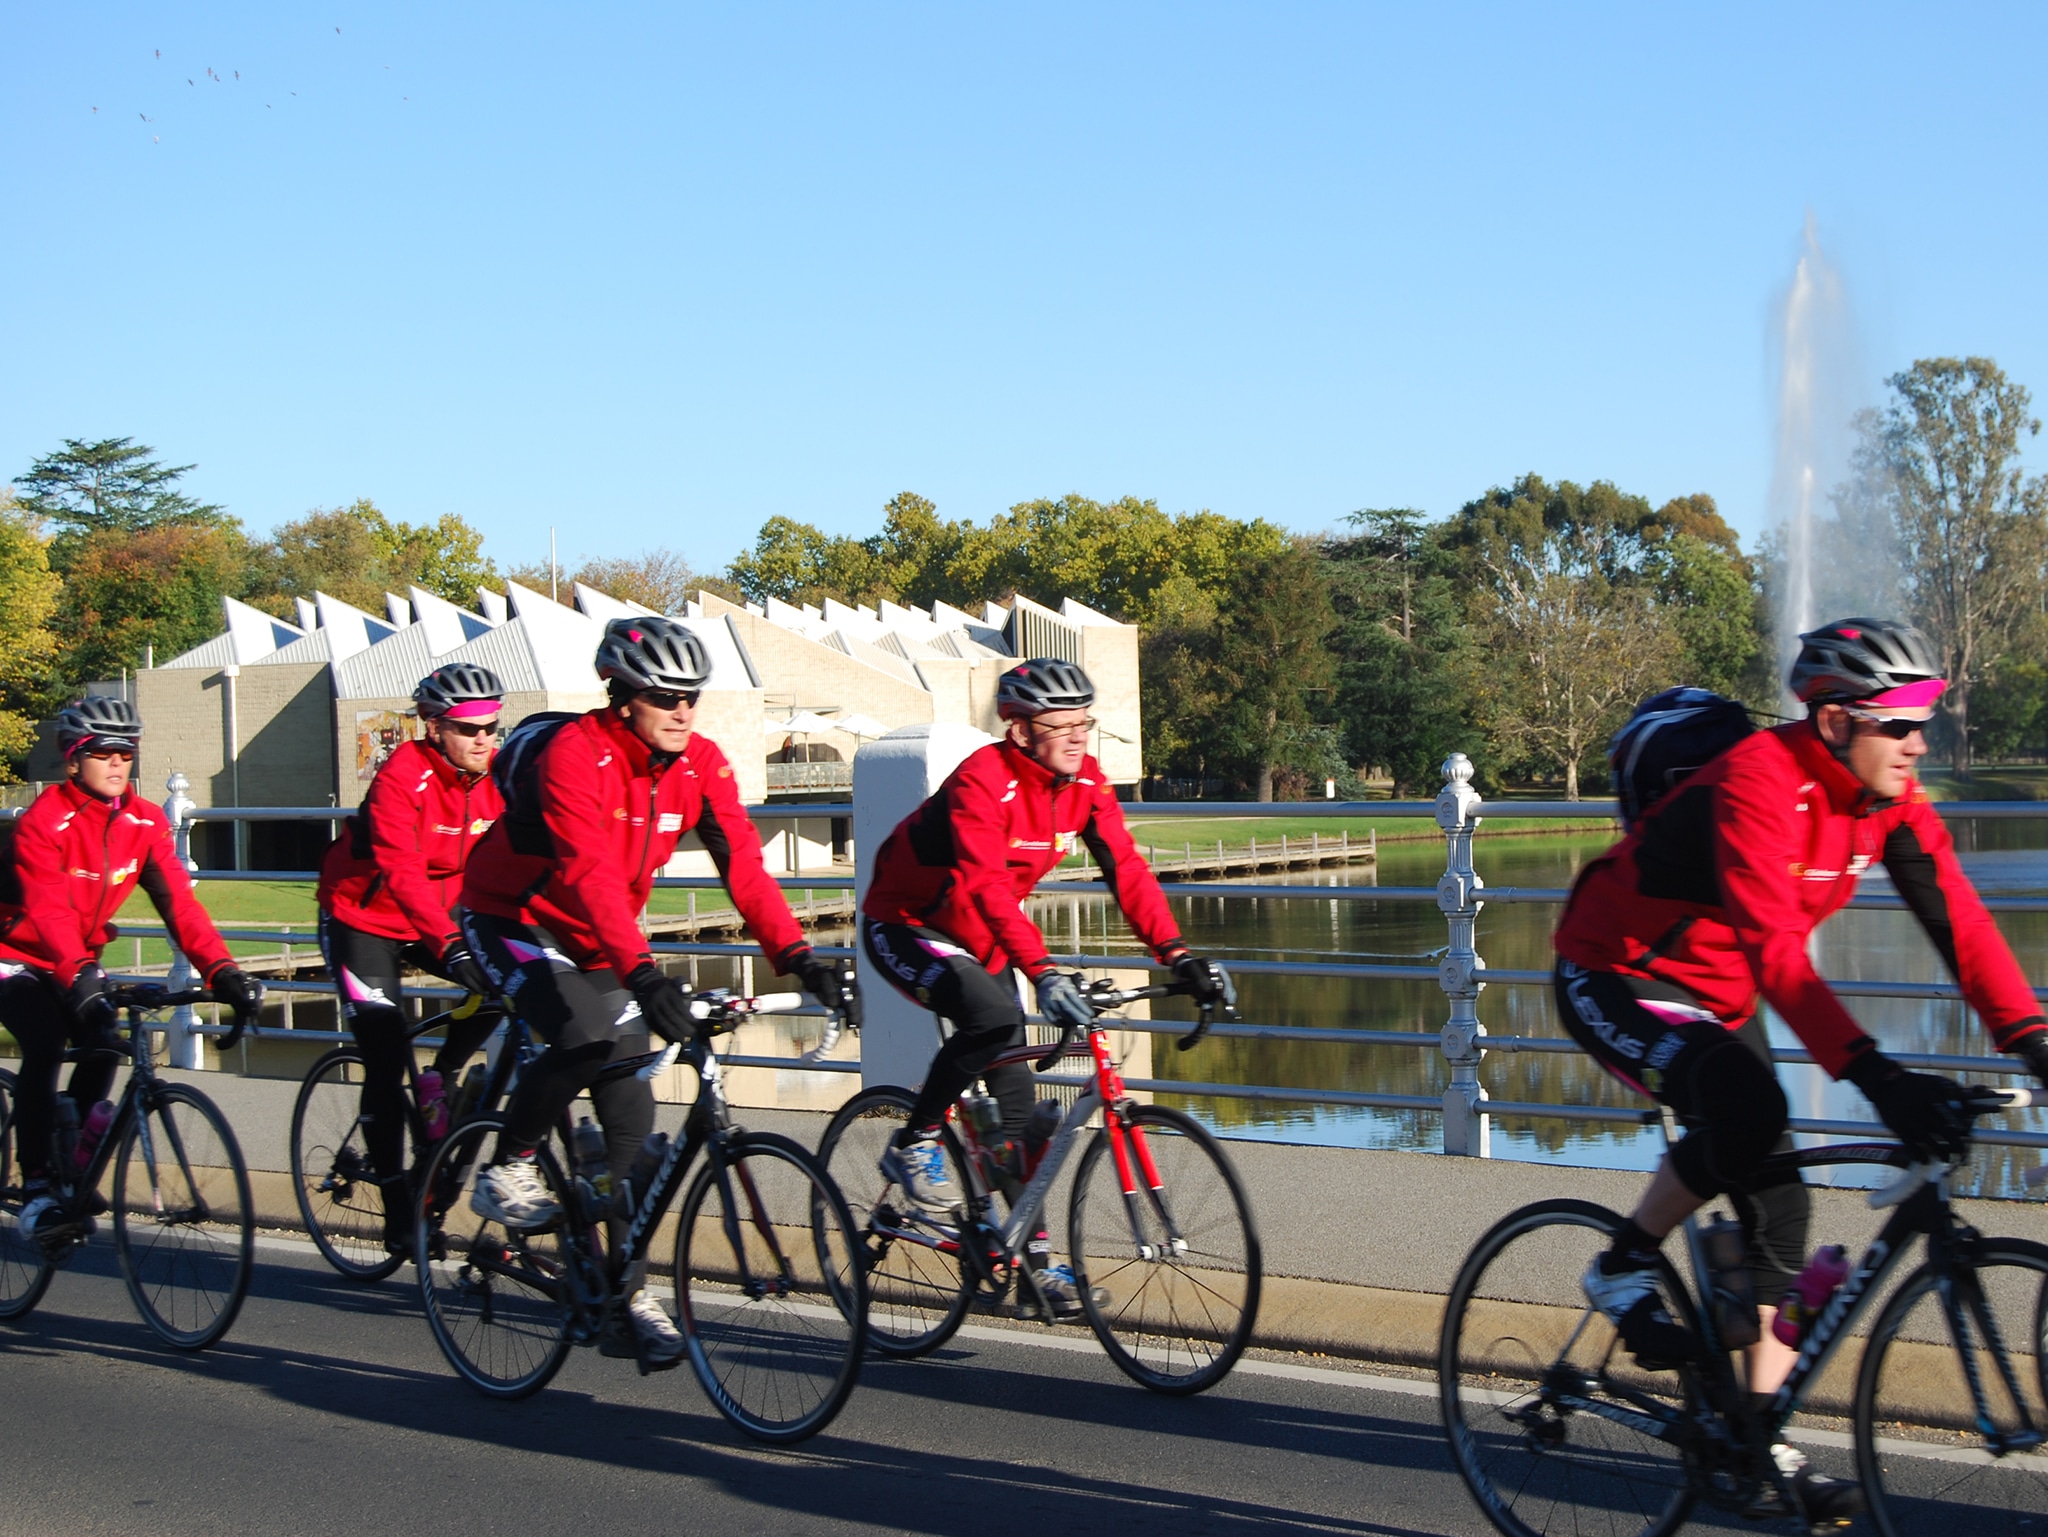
(551, 904)
(1674, 937)
(387, 885)
(79, 852)
(943, 918)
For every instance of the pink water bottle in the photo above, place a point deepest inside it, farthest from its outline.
(1809, 1295)
(97, 1120)
(433, 1106)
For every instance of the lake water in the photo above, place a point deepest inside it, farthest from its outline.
(2003, 857)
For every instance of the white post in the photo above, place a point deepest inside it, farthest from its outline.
(1466, 1131)
(892, 776)
(182, 1046)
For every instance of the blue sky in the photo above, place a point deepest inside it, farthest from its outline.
(656, 274)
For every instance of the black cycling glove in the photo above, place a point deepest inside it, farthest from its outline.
(460, 966)
(1209, 983)
(91, 1009)
(2033, 1050)
(1061, 1003)
(832, 983)
(239, 991)
(664, 1002)
(1923, 1110)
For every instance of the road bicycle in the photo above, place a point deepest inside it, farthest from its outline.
(332, 1173)
(184, 1221)
(1553, 1425)
(1163, 1246)
(770, 1295)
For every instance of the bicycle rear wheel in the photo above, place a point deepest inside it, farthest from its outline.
(24, 1272)
(497, 1298)
(1925, 1460)
(1519, 1340)
(770, 1288)
(1169, 1278)
(184, 1221)
(332, 1175)
(918, 1292)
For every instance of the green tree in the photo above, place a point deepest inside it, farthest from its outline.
(1972, 527)
(357, 554)
(160, 588)
(28, 598)
(113, 485)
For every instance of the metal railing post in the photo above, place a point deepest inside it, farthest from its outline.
(183, 1046)
(1457, 898)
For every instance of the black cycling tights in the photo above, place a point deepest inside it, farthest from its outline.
(366, 970)
(37, 1016)
(1660, 1041)
(587, 1019)
(937, 974)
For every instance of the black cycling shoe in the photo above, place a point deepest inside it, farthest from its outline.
(1629, 1299)
(1824, 1504)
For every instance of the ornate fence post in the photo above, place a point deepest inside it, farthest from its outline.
(1457, 897)
(183, 1046)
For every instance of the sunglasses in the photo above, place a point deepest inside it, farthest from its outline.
(112, 754)
(664, 699)
(1897, 727)
(471, 727)
(1079, 728)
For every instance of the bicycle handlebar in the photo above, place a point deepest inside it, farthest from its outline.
(1977, 1100)
(1102, 994)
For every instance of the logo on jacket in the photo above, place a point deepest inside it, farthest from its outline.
(480, 826)
(671, 822)
(125, 872)
(446, 831)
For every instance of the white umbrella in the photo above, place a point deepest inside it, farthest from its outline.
(803, 723)
(861, 725)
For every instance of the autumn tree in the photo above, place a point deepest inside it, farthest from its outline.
(357, 554)
(158, 589)
(28, 600)
(109, 486)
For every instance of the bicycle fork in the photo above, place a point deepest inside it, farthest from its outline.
(1962, 1298)
(1133, 1157)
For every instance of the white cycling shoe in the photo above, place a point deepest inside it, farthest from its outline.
(1629, 1300)
(919, 1168)
(512, 1192)
(42, 1211)
(653, 1337)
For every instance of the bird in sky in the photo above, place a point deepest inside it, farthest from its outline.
(143, 115)
(154, 139)
(337, 32)
(95, 109)
(188, 80)
(238, 74)
(159, 53)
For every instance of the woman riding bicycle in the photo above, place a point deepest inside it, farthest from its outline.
(1676, 936)
(552, 899)
(78, 853)
(387, 886)
(943, 918)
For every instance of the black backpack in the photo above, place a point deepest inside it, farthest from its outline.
(1670, 737)
(516, 772)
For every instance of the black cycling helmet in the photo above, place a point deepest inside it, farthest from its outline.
(653, 652)
(1866, 661)
(458, 689)
(1042, 684)
(97, 723)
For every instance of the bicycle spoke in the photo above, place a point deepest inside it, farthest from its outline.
(183, 1224)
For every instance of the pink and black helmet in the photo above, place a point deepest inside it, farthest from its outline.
(1873, 662)
(460, 691)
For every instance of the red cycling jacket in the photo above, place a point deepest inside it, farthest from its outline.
(76, 860)
(964, 861)
(1726, 878)
(613, 817)
(396, 869)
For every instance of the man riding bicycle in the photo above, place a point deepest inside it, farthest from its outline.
(943, 918)
(388, 885)
(551, 904)
(79, 852)
(1674, 939)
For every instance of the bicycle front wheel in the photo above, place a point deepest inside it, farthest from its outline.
(331, 1170)
(497, 1298)
(770, 1287)
(1169, 1274)
(24, 1272)
(1933, 1366)
(1542, 1404)
(918, 1291)
(184, 1221)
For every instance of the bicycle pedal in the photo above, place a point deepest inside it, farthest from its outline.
(649, 1366)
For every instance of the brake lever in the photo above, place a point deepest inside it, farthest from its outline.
(1201, 1029)
(1067, 1034)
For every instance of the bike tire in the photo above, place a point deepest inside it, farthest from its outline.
(332, 1176)
(184, 1218)
(1920, 1453)
(918, 1295)
(776, 1328)
(25, 1271)
(1511, 1322)
(1175, 1322)
(495, 1298)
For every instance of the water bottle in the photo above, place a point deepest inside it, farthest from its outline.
(67, 1132)
(985, 1114)
(1810, 1293)
(593, 1178)
(640, 1177)
(1735, 1314)
(1046, 1116)
(468, 1092)
(93, 1132)
(433, 1107)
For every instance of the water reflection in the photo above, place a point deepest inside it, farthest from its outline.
(2004, 857)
